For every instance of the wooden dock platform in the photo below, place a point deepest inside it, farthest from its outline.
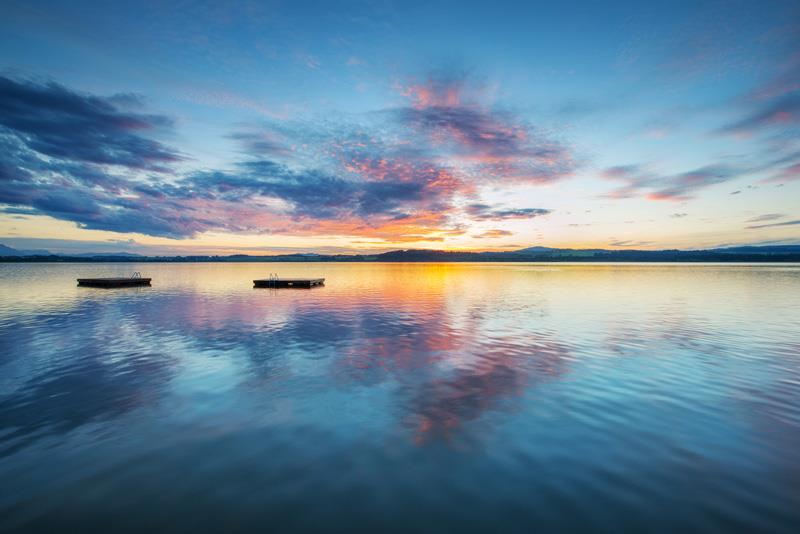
(289, 282)
(134, 281)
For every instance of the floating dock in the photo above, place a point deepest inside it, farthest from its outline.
(134, 281)
(113, 282)
(289, 282)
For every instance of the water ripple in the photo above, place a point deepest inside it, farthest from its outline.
(411, 397)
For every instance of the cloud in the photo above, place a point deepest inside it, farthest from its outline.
(639, 182)
(260, 143)
(80, 158)
(678, 215)
(788, 173)
(309, 193)
(399, 175)
(492, 234)
(772, 225)
(783, 111)
(485, 212)
(773, 105)
(450, 112)
(53, 121)
(682, 186)
(766, 217)
(634, 177)
(84, 159)
(770, 113)
(629, 243)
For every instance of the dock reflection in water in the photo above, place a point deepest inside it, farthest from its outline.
(473, 397)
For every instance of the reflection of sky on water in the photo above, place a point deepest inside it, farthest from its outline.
(106, 357)
(427, 386)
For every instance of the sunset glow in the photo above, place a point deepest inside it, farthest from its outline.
(259, 129)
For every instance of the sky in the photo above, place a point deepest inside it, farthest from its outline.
(196, 127)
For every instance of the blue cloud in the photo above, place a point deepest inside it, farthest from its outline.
(53, 121)
(781, 112)
(638, 181)
(485, 212)
(357, 176)
(772, 225)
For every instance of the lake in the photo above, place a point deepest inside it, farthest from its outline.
(401, 397)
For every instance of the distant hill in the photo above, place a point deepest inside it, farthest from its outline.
(549, 251)
(768, 249)
(545, 254)
(535, 250)
(772, 253)
(108, 254)
(8, 251)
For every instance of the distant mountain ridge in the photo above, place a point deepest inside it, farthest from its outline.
(782, 253)
(765, 249)
(106, 254)
(8, 251)
(536, 249)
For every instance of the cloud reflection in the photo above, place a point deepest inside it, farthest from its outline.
(123, 351)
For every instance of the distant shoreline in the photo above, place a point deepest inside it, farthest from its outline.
(422, 256)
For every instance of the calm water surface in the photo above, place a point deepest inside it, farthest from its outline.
(469, 397)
